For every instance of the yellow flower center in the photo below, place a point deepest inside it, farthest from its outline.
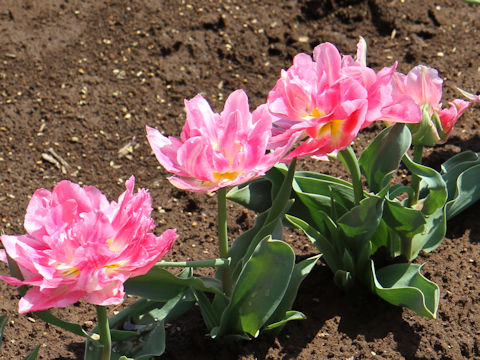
(68, 271)
(334, 127)
(228, 175)
(316, 113)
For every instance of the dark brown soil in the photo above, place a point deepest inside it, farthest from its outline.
(81, 79)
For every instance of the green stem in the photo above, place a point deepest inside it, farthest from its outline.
(406, 247)
(350, 161)
(194, 264)
(223, 240)
(104, 330)
(417, 158)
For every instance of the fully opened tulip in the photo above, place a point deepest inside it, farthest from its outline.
(218, 150)
(331, 98)
(80, 246)
(424, 85)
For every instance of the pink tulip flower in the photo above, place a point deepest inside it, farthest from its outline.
(331, 98)
(218, 150)
(423, 84)
(80, 246)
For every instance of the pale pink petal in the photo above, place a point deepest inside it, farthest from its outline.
(362, 52)
(36, 300)
(200, 119)
(165, 150)
(328, 61)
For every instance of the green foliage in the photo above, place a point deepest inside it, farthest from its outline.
(383, 155)
(461, 173)
(403, 285)
(33, 355)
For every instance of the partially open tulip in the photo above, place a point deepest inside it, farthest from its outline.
(331, 98)
(80, 246)
(423, 84)
(217, 150)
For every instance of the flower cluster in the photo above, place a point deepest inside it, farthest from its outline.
(331, 98)
(78, 245)
(81, 246)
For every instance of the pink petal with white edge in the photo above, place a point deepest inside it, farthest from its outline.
(36, 300)
(165, 149)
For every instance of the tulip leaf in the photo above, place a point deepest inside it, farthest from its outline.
(315, 183)
(33, 355)
(122, 335)
(254, 195)
(467, 190)
(432, 237)
(361, 222)
(321, 242)
(403, 220)
(282, 313)
(153, 344)
(209, 315)
(160, 285)
(432, 183)
(259, 289)
(404, 285)
(281, 203)
(48, 317)
(289, 316)
(460, 162)
(382, 157)
(380, 237)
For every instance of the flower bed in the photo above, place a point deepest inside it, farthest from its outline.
(77, 98)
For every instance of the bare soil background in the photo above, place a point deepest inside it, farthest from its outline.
(79, 80)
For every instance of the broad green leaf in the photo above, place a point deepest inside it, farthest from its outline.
(460, 162)
(282, 196)
(323, 245)
(48, 317)
(153, 344)
(455, 166)
(139, 307)
(399, 189)
(361, 222)
(467, 191)
(402, 219)
(240, 244)
(254, 195)
(259, 289)
(382, 157)
(404, 285)
(33, 355)
(269, 229)
(122, 335)
(317, 191)
(282, 313)
(209, 315)
(162, 313)
(432, 183)
(160, 285)
(288, 316)
(380, 237)
(432, 237)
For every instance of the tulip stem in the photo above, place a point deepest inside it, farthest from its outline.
(223, 240)
(194, 264)
(104, 330)
(417, 158)
(350, 161)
